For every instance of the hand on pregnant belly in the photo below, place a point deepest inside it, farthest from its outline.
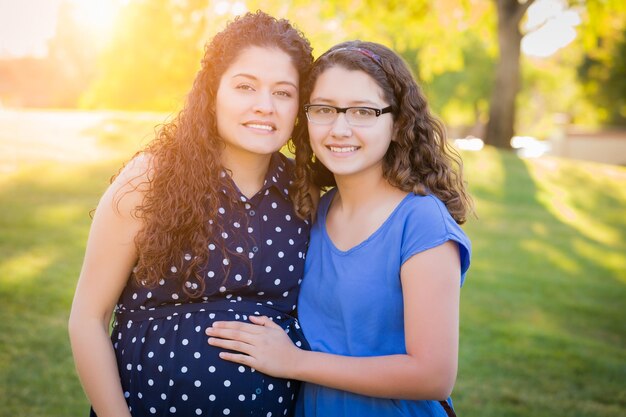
(166, 366)
(262, 345)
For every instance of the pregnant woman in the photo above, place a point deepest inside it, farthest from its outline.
(199, 227)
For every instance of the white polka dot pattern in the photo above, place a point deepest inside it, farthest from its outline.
(255, 265)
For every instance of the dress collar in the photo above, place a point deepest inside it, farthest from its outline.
(277, 176)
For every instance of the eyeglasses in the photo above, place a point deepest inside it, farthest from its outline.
(323, 114)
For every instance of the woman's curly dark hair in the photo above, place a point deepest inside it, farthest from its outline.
(183, 179)
(418, 160)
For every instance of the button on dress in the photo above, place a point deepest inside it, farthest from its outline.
(166, 366)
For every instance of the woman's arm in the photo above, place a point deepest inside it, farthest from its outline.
(431, 289)
(109, 259)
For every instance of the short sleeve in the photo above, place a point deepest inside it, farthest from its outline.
(429, 224)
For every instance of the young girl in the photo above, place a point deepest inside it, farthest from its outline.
(379, 303)
(199, 227)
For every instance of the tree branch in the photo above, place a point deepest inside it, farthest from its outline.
(521, 9)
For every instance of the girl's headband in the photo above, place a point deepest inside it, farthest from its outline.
(374, 57)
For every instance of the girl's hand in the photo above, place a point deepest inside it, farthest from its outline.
(264, 345)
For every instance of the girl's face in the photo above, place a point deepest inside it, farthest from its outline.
(257, 102)
(344, 149)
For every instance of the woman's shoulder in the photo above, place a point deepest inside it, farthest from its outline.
(140, 167)
(130, 185)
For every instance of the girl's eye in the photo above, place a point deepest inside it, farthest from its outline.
(363, 112)
(324, 110)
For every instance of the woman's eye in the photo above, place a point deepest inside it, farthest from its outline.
(245, 87)
(283, 93)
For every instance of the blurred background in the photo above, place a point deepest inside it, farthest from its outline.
(533, 94)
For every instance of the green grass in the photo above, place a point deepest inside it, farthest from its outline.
(48, 186)
(542, 330)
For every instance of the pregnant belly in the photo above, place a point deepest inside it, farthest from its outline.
(167, 367)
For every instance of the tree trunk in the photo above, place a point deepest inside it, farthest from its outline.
(501, 125)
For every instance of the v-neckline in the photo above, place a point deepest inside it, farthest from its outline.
(335, 248)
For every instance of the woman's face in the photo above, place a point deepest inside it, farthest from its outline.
(257, 102)
(346, 149)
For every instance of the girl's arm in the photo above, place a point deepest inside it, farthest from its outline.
(109, 259)
(431, 289)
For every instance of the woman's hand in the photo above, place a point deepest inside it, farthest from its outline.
(264, 345)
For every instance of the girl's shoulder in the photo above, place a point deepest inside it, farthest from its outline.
(425, 207)
(427, 223)
(426, 217)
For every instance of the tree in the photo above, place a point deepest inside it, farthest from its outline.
(500, 128)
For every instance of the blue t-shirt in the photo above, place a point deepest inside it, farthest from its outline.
(351, 303)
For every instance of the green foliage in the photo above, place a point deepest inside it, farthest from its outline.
(603, 22)
(541, 311)
(551, 90)
(151, 61)
(605, 81)
(602, 69)
(449, 45)
(462, 97)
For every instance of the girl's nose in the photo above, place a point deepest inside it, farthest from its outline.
(340, 127)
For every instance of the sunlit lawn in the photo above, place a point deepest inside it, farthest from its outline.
(542, 319)
(542, 326)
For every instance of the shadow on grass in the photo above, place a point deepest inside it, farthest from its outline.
(541, 318)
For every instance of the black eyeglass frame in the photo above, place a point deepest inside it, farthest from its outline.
(378, 112)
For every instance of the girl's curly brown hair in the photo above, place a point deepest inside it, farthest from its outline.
(183, 179)
(419, 158)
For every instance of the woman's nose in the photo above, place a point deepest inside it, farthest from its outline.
(264, 103)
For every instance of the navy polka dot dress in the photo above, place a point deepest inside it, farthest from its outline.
(166, 366)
